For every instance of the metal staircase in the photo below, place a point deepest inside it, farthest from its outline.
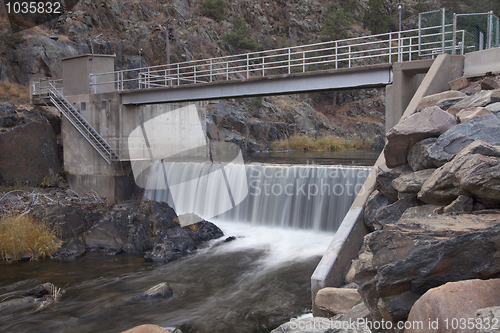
(85, 129)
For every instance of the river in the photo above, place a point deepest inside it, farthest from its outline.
(251, 284)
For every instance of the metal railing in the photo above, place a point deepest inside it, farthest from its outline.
(41, 89)
(375, 49)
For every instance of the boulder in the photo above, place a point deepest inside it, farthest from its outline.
(336, 301)
(495, 97)
(452, 307)
(481, 98)
(489, 83)
(162, 290)
(350, 277)
(431, 122)
(384, 179)
(39, 159)
(462, 204)
(445, 104)
(375, 202)
(458, 84)
(404, 260)
(489, 318)
(147, 328)
(458, 137)
(475, 171)
(411, 182)
(418, 156)
(432, 100)
(391, 213)
(471, 113)
(494, 107)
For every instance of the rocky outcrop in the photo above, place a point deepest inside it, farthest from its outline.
(404, 260)
(431, 122)
(29, 154)
(453, 306)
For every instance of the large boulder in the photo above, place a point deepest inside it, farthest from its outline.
(481, 98)
(135, 226)
(336, 301)
(432, 100)
(384, 179)
(418, 156)
(431, 122)
(452, 307)
(28, 153)
(404, 260)
(471, 113)
(475, 172)
(457, 138)
(411, 182)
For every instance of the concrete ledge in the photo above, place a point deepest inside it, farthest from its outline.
(480, 62)
(345, 245)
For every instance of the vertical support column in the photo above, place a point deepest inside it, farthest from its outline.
(419, 34)
(454, 41)
(490, 29)
(443, 28)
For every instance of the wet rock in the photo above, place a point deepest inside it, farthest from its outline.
(336, 301)
(431, 122)
(162, 290)
(471, 113)
(385, 176)
(458, 137)
(411, 182)
(418, 156)
(451, 302)
(489, 84)
(16, 305)
(481, 98)
(475, 171)
(39, 159)
(179, 241)
(229, 239)
(432, 100)
(71, 250)
(404, 260)
(488, 315)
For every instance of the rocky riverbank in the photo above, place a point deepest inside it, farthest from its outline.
(431, 258)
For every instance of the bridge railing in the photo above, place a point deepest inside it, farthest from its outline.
(346, 53)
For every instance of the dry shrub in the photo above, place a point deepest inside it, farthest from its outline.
(14, 92)
(323, 143)
(22, 237)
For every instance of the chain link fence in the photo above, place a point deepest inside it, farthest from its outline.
(442, 31)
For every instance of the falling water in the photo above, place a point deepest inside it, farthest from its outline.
(289, 196)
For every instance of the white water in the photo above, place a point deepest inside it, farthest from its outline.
(287, 196)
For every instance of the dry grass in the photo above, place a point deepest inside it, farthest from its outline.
(323, 143)
(22, 237)
(14, 92)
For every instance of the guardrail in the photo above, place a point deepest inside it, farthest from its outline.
(41, 89)
(382, 48)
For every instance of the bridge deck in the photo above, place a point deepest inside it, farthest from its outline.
(344, 78)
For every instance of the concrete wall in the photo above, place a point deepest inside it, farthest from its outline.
(480, 62)
(346, 243)
(77, 70)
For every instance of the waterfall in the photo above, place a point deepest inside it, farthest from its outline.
(290, 196)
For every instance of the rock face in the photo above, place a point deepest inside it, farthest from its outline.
(431, 122)
(457, 138)
(441, 309)
(404, 260)
(337, 300)
(134, 227)
(29, 153)
(475, 171)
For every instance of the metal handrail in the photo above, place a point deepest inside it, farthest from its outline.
(380, 48)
